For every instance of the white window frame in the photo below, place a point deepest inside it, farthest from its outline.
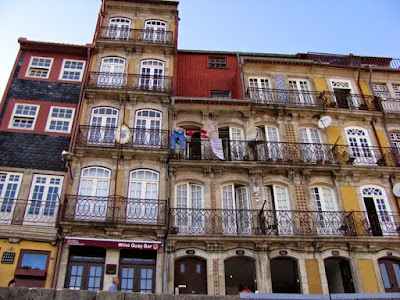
(7, 207)
(119, 28)
(187, 216)
(155, 30)
(39, 68)
(74, 70)
(347, 85)
(40, 216)
(380, 90)
(396, 89)
(395, 138)
(60, 119)
(22, 116)
(360, 151)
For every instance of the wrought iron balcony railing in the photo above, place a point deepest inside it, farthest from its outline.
(312, 99)
(115, 209)
(283, 152)
(282, 222)
(141, 82)
(136, 35)
(28, 212)
(391, 105)
(139, 138)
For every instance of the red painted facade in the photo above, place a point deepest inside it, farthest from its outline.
(196, 79)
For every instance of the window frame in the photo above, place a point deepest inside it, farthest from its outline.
(220, 94)
(63, 69)
(30, 272)
(28, 69)
(50, 118)
(215, 62)
(15, 115)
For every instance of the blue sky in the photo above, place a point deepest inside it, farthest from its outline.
(362, 27)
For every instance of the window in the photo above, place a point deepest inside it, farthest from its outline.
(24, 116)
(217, 62)
(301, 93)
(152, 74)
(32, 263)
(103, 123)
(395, 139)
(311, 145)
(60, 119)
(235, 202)
(111, 72)
(380, 90)
(39, 67)
(343, 94)
(155, 31)
(360, 146)
(43, 200)
(327, 221)
(189, 203)
(9, 189)
(147, 129)
(259, 89)
(143, 197)
(220, 94)
(72, 70)
(118, 28)
(396, 89)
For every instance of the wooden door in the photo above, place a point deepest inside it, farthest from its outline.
(347, 278)
(191, 276)
(390, 271)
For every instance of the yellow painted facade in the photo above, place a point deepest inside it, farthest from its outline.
(334, 135)
(368, 276)
(313, 277)
(320, 84)
(7, 270)
(350, 199)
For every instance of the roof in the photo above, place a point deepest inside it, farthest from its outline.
(25, 44)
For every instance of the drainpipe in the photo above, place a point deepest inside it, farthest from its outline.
(69, 177)
(241, 62)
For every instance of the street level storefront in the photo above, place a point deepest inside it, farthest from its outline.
(91, 263)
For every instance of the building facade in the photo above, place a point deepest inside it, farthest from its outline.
(37, 116)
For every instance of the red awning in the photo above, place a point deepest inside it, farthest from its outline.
(110, 243)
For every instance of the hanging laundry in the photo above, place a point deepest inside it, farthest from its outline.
(216, 146)
(191, 132)
(180, 136)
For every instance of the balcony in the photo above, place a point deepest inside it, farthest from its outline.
(114, 209)
(232, 222)
(158, 37)
(292, 153)
(130, 82)
(139, 138)
(28, 212)
(312, 99)
(391, 105)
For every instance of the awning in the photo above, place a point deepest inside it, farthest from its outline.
(110, 243)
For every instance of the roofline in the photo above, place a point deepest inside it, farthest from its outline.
(164, 2)
(25, 44)
(216, 52)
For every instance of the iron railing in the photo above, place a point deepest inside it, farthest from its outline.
(312, 99)
(114, 209)
(282, 222)
(141, 82)
(353, 60)
(28, 212)
(391, 105)
(139, 138)
(285, 152)
(136, 35)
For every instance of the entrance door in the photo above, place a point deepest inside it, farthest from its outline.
(191, 276)
(111, 72)
(284, 276)
(152, 74)
(338, 274)
(93, 194)
(390, 271)
(103, 123)
(239, 271)
(143, 197)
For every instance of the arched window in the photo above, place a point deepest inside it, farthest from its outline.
(155, 31)
(152, 74)
(93, 194)
(147, 128)
(143, 194)
(111, 72)
(118, 28)
(360, 146)
(390, 272)
(189, 208)
(103, 123)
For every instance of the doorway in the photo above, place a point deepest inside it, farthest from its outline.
(239, 270)
(373, 218)
(390, 271)
(191, 275)
(285, 276)
(338, 274)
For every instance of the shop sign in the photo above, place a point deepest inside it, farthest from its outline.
(108, 243)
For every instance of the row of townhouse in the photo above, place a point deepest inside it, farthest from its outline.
(195, 171)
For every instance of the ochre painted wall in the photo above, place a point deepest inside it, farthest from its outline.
(314, 279)
(320, 84)
(382, 138)
(120, 181)
(132, 67)
(7, 270)
(350, 199)
(368, 276)
(364, 88)
(333, 134)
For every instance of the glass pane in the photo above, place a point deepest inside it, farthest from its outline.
(385, 276)
(33, 261)
(396, 269)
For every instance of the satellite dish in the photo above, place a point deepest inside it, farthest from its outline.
(396, 189)
(122, 134)
(324, 122)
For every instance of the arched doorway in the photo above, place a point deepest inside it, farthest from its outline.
(390, 272)
(338, 274)
(191, 275)
(239, 270)
(285, 276)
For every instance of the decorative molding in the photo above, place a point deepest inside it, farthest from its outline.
(216, 277)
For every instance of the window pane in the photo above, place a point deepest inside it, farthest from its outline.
(385, 276)
(33, 261)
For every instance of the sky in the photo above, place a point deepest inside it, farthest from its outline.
(361, 27)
